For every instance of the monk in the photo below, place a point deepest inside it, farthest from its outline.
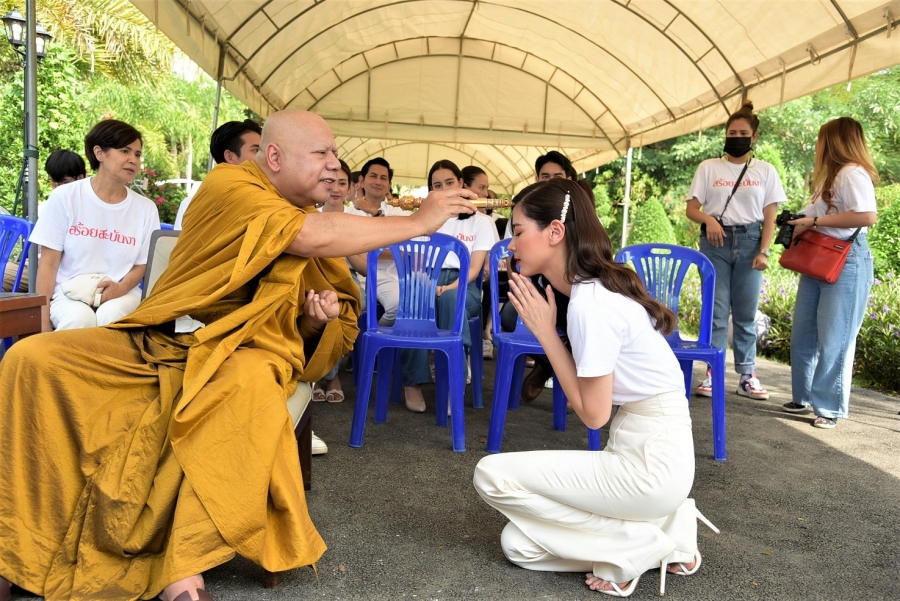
(134, 458)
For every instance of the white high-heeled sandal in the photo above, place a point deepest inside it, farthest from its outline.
(621, 592)
(683, 571)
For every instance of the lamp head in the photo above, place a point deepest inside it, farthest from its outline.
(14, 23)
(42, 38)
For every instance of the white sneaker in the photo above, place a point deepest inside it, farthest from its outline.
(318, 445)
(487, 349)
(549, 382)
(751, 387)
(705, 389)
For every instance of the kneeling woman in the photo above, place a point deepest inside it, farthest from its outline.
(624, 510)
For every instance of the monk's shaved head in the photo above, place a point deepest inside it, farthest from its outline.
(298, 154)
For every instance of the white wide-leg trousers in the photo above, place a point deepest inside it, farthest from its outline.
(68, 314)
(615, 513)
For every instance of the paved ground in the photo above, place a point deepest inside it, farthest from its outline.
(804, 513)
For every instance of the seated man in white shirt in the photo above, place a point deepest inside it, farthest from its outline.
(376, 184)
(234, 143)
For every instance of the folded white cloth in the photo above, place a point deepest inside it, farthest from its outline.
(84, 288)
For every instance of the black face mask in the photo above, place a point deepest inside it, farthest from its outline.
(738, 147)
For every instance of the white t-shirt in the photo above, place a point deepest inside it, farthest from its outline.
(478, 232)
(610, 333)
(94, 236)
(181, 209)
(714, 182)
(852, 190)
(389, 211)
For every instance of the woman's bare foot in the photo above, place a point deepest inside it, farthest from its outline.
(189, 585)
(415, 402)
(598, 584)
(5, 589)
(674, 568)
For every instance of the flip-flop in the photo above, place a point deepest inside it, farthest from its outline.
(334, 396)
(319, 395)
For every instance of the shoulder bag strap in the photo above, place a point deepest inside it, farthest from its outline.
(733, 190)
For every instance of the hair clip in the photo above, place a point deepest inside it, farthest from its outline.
(565, 209)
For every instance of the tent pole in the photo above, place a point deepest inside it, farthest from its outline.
(220, 74)
(627, 197)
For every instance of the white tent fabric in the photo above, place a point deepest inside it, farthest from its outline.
(496, 83)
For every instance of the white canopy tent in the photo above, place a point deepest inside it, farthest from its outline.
(496, 83)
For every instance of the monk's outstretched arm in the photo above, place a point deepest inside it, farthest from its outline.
(340, 234)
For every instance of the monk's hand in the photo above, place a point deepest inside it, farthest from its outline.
(441, 205)
(320, 308)
(112, 290)
(538, 314)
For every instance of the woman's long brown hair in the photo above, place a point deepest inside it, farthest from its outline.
(589, 251)
(841, 143)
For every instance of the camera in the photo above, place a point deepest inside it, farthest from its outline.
(703, 226)
(785, 230)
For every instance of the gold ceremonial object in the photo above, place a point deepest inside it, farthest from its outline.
(408, 203)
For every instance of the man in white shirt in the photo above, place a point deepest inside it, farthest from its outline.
(234, 143)
(376, 183)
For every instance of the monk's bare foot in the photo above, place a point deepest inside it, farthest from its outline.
(189, 585)
(5, 589)
(599, 584)
(415, 402)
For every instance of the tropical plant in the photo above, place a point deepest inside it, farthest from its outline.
(651, 224)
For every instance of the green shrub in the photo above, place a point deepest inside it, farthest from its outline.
(651, 224)
(886, 196)
(602, 204)
(167, 196)
(884, 239)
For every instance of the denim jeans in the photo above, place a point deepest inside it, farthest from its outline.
(827, 319)
(737, 291)
(415, 361)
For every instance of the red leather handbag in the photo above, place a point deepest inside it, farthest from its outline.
(817, 255)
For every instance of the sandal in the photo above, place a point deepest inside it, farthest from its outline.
(616, 591)
(334, 396)
(683, 569)
(319, 395)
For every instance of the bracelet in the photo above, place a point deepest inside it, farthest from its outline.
(815, 222)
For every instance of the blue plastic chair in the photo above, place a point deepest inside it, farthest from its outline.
(512, 348)
(419, 264)
(662, 268)
(166, 226)
(13, 229)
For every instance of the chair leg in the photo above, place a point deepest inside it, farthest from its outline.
(502, 378)
(476, 358)
(270, 579)
(442, 375)
(718, 405)
(361, 408)
(303, 432)
(457, 381)
(397, 379)
(559, 406)
(687, 368)
(383, 383)
(515, 388)
(594, 440)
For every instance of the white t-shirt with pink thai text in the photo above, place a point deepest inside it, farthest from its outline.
(759, 188)
(94, 236)
(478, 232)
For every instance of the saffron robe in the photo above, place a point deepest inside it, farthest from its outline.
(133, 456)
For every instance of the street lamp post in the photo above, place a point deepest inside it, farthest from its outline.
(29, 40)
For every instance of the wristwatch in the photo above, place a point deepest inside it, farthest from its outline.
(766, 252)
(815, 222)
(379, 213)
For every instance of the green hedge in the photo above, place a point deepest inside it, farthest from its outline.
(877, 361)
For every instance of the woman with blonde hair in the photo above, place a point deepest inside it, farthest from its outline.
(827, 317)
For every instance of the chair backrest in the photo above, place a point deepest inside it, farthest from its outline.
(13, 229)
(419, 264)
(161, 244)
(499, 251)
(662, 268)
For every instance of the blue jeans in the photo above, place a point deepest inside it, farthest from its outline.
(737, 291)
(827, 319)
(415, 361)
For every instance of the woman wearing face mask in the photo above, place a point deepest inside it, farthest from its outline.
(478, 233)
(737, 227)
